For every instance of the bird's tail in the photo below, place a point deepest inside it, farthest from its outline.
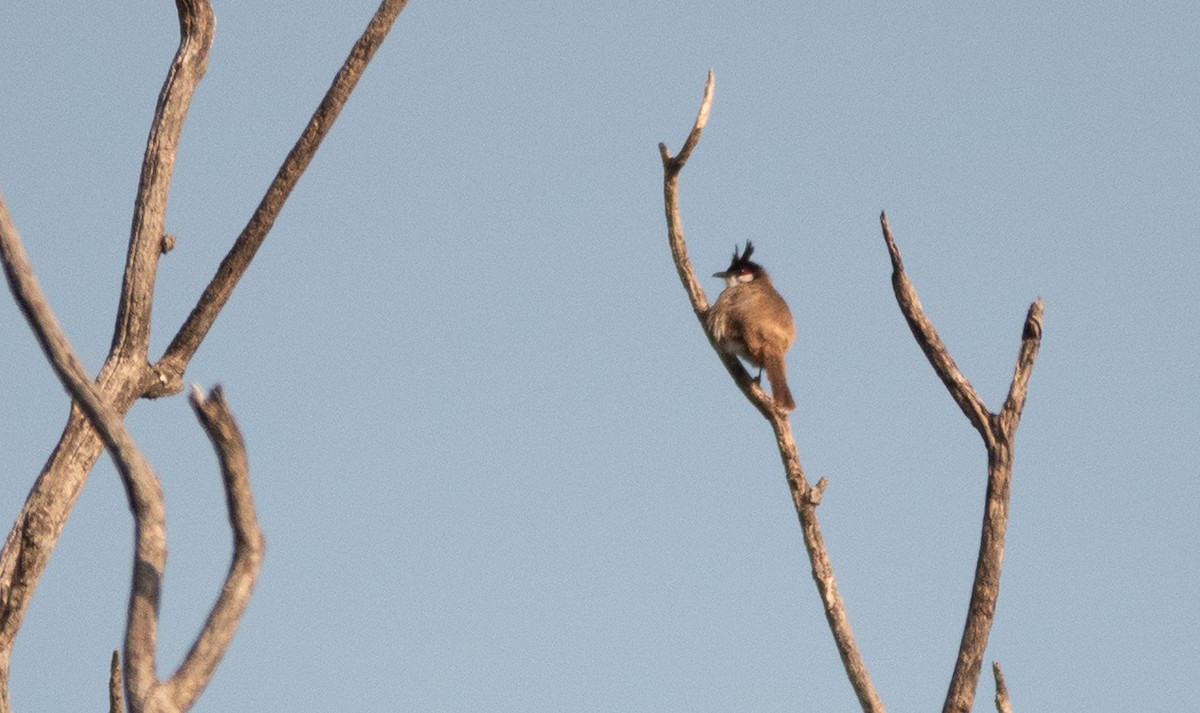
(777, 373)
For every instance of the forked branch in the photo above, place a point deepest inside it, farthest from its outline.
(998, 431)
(144, 692)
(672, 165)
(233, 266)
(126, 375)
(804, 497)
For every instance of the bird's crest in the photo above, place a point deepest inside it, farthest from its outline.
(742, 264)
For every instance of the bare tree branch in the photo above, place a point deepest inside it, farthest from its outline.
(1002, 703)
(197, 668)
(131, 337)
(672, 165)
(930, 343)
(671, 168)
(998, 432)
(141, 485)
(1031, 339)
(145, 693)
(115, 686)
(126, 376)
(804, 497)
(193, 330)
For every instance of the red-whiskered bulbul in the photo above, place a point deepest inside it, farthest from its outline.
(751, 320)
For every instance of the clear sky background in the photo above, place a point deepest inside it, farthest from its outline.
(498, 466)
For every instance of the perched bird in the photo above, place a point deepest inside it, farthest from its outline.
(751, 320)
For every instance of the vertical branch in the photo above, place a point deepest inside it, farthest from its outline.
(804, 497)
(115, 686)
(131, 337)
(123, 378)
(672, 165)
(1003, 705)
(1031, 339)
(998, 431)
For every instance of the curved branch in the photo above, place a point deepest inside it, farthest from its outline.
(131, 337)
(248, 545)
(141, 485)
(998, 432)
(235, 263)
(145, 693)
(125, 376)
(804, 497)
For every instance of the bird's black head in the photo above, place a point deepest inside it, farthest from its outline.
(741, 268)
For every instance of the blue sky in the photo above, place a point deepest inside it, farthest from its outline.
(497, 464)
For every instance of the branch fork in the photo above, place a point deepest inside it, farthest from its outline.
(996, 429)
(95, 422)
(805, 497)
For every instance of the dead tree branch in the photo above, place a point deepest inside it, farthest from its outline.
(998, 431)
(144, 692)
(141, 485)
(219, 289)
(126, 375)
(131, 337)
(248, 545)
(804, 497)
(116, 703)
(672, 165)
(1002, 703)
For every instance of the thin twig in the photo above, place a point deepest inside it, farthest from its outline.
(998, 432)
(1003, 705)
(672, 165)
(115, 687)
(235, 263)
(927, 337)
(804, 497)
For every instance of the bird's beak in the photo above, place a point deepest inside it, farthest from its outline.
(720, 274)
